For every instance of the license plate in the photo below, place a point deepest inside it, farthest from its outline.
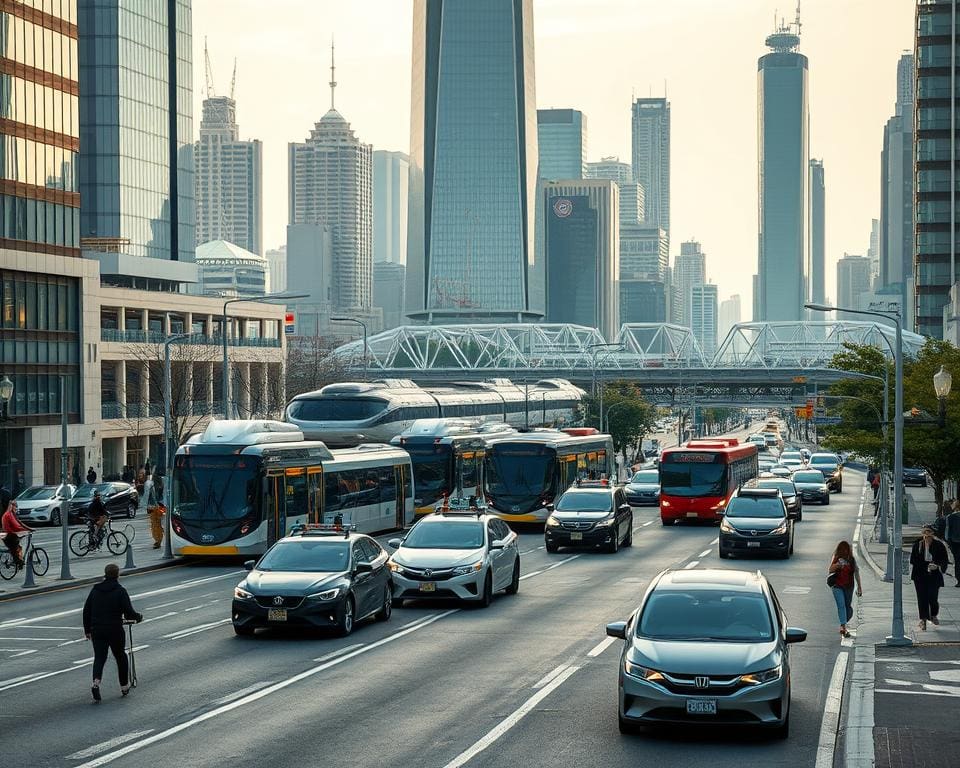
(693, 514)
(753, 543)
(428, 586)
(701, 706)
(277, 614)
(576, 537)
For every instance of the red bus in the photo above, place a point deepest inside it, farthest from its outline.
(697, 480)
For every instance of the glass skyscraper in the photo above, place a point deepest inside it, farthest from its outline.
(562, 143)
(473, 164)
(783, 155)
(818, 288)
(651, 158)
(124, 161)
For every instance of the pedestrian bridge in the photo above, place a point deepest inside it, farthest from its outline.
(766, 363)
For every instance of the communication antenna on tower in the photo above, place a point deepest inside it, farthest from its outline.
(233, 80)
(797, 22)
(333, 69)
(208, 70)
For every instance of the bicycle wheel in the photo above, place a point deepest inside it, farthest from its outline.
(130, 532)
(39, 561)
(117, 542)
(8, 568)
(80, 543)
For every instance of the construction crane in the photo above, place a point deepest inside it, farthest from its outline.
(208, 67)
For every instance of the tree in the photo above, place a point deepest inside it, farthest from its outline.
(311, 364)
(629, 417)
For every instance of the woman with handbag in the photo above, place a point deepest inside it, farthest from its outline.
(841, 576)
(928, 563)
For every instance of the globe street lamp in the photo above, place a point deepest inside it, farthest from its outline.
(942, 381)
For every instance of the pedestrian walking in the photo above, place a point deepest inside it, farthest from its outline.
(91, 476)
(928, 563)
(107, 605)
(155, 508)
(875, 484)
(952, 536)
(842, 574)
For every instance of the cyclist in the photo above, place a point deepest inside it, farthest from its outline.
(96, 517)
(12, 527)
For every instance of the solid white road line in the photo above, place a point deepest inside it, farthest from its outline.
(248, 699)
(601, 646)
(705, 553)
(6, 685)
(194, 630)
(715, 540)
(161, 616)
(23, 653)
(918, 693)
(531, 574)
(165, 605)
(549, 676)
(511, 720)
(649, 522)
(49, 639)
(691, 564)
(238, 694)
(96, 749)
(831, 713)
(347, 649)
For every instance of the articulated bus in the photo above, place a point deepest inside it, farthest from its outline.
(447, 457)
(526, 472)
(243, 484)
(698, 480)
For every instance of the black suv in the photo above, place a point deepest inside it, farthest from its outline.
(318, 576)
(915, 476)
(592, 514)
(756, 521)
(121, 500)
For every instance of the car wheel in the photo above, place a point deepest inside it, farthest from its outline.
(840, 488)
(724, 554)
(827, 500)
(627, 727)
(55, 517)
(614, 546)
(487, 596)
(515, 581)
(799, 515)
(345, 617)
(628, 541)
(384, 613)
(132, 511)
(553, 548)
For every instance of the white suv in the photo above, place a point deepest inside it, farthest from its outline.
(465, 555)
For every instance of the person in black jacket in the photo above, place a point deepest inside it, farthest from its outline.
(108, 604)
(928, 562)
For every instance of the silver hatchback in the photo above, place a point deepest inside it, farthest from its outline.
(708, 647)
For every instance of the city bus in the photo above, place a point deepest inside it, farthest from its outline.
(523, 473)
(447, 457)
(698, 479)
(243, 484)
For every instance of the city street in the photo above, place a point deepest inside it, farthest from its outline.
(529, 681)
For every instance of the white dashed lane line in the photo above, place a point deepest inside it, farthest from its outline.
(705, 553)
(691, 564)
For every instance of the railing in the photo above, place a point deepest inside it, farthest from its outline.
(113, 410)
(158, 337)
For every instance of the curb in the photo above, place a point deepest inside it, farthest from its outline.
(61, 586)
(879, 570)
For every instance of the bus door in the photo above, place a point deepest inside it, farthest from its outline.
(296, 510)
(405, 490)
(274, 504)
(315, 494)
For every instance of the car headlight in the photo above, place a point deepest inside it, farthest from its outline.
(327, 594)
(606, 521)
(641, 673)
(241, 594)
(726, 527)
(766, 676)
(782, 528)
(823, 488)
(552, 522)
(395, 567)
(463, 570)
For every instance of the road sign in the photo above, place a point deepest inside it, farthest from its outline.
(819, 411)
(289, 324)
(827, 420)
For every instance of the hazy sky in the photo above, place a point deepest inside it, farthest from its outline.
(592, 55)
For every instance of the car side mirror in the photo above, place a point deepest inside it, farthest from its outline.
(550, 508)
(394, 543)
(624, 507)
(249, 564)
(795, 635)
(497, 544)
(617, 629)
(368, 568)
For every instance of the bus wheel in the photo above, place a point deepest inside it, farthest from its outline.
(664, 522)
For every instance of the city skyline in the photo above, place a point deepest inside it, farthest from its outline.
(614, 36)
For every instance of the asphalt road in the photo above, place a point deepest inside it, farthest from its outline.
(530, 681)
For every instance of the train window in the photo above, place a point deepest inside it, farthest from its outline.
(388, 485)
(340, 409)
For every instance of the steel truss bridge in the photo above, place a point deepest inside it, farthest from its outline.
(767, 364)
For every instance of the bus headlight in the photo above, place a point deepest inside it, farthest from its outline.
(664, 502)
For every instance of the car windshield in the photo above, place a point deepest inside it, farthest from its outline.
(585, 501)
(786, 487)
(36, 493)
(431, 471)
(692, 479)
(808, 477)
(755, 506)
(706, 615)
(829, 459)
(306, 555)
(86, 490)
(445, 534)
(790, 455)
(648, 478)
(336, 409)
(215, 488)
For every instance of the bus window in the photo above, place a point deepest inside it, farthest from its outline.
(272, 507)
(388, 485)
(470, 472)
(333, 491)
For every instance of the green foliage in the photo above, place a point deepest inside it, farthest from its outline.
(629, 416)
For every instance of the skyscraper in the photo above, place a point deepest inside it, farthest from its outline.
(651, 158)
(473, 164)
(391, 177)
(703, 317)
(124, 157)
(330, 184)
(818, 289)
(389, 286)
(873, 252)
(783, 153)
(896, 194)
(728, 316)
(229, 178)
(853, 279)
(610, 168)
(562, 143)
(689, 270)
(277, 269)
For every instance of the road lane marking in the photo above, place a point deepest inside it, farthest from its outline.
(165, 605)
(96, 749)
(34, 638)
(549, 676)
(257, 695)
(705, 553)
(715, 540)
(71, 642)
(918, 693)
(601, 647)
(530, 575)
(161, 616)
(347, 649)
(16, 682)
(649, 522)
(242, 692)
(831, 713)
(511, 720)
(180, 634)
(691, 564)
(23, 653)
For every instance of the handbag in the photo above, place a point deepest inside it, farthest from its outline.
(832, 579)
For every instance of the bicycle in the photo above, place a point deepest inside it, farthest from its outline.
(39, 561)
(89, 540)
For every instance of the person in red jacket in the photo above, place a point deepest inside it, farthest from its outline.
(12, 527)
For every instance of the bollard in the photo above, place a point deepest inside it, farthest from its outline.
(28, 568)
(129, 566)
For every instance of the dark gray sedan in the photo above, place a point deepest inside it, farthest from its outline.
(812, 485)
(756, 522)
(643, 488)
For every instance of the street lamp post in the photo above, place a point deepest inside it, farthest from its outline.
(599, 376)
(363, 325)
(6, 393)
(167, 473)
(223, 329)
(593, 357)
(896, 636)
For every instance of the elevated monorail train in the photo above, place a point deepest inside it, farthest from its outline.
(378, 411)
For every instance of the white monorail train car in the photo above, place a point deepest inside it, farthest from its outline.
(378, 411)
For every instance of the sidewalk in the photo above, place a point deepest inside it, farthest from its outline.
(903, 701)
(89, 568)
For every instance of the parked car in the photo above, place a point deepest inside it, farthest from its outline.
(643, 488)
(706, 647)
(791, 497)
(812, 485)
(464, 555)
(41, 503)
(316, 577)
(915, 476)
(592, 514)
(121, 500)
(832, 468)
(756, 522)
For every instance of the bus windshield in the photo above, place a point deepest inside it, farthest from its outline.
(693, 479)
(520, 476)
(431, 471)
(215, 487)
